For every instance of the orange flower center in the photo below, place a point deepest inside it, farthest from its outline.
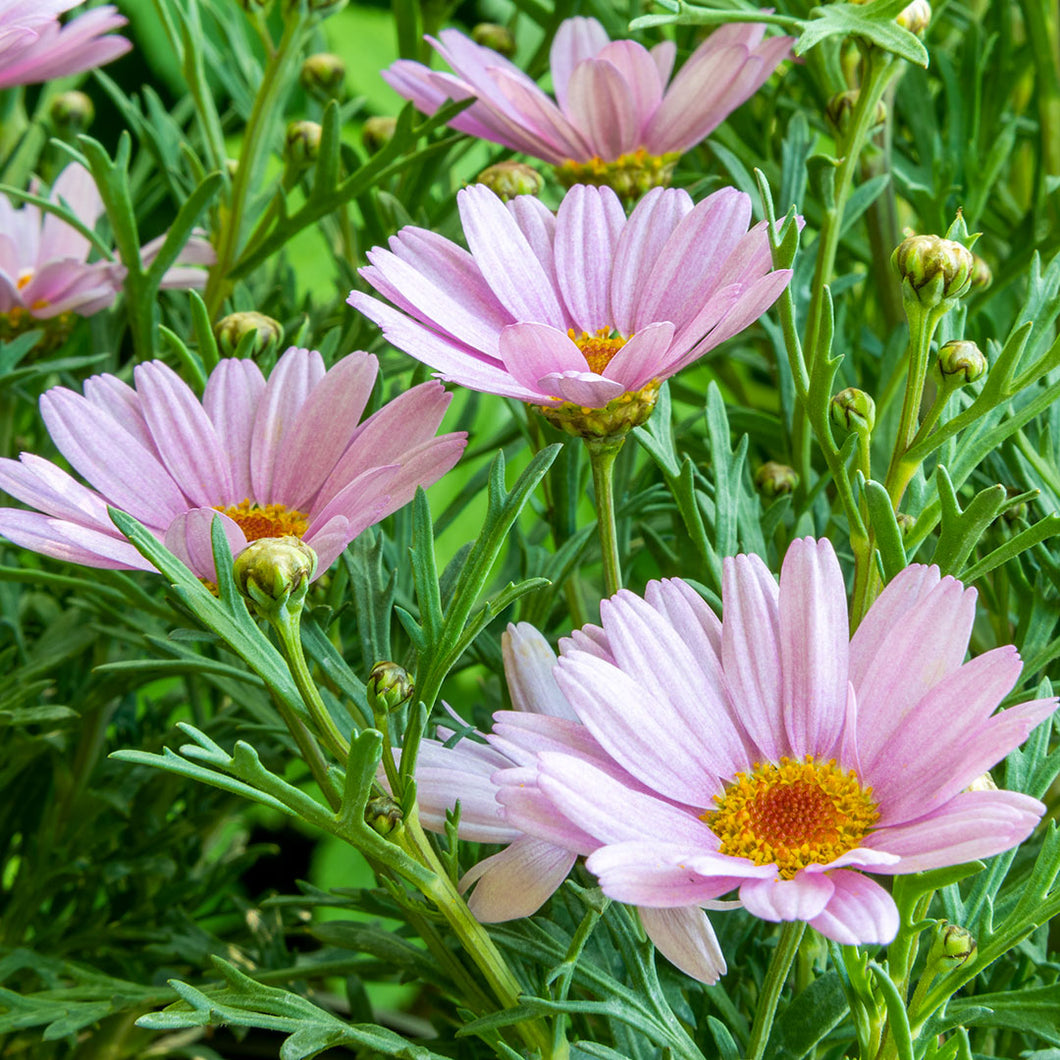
(24, 278)
(599, 348)
(793, 814)
(266, 520)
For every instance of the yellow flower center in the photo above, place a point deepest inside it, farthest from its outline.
(599, 348)
(266, 520)
(630, 175)
(793, 814)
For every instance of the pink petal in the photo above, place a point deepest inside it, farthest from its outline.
(642, 358)
(528, 809)
(231, 399)
(528, 665)
(663, 55)
(329, 541)
(577, 39)
(638, 69)
(601, 106)
(517, 881)
(801, 898)
(582, 388)
(188, 537)
(70, 542)
(686, 939)
(78, 190)
(119, 400)
(534, 352)
(859, 913)
(40, 484)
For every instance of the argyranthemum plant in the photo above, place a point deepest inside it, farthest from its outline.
(778, 757)
(282, 458)
(617, 118)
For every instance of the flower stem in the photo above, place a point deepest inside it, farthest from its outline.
(776, 975)
(602, 454)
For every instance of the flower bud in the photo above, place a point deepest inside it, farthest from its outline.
(1017, 512)
(958, 944)
(389, 685)
(322, 76)
(983, 782)
(508, 179)
(961, 362)
(905, 522)
(231, 167)
(274, 572)
(231, 330)
(382, 814)
(853, 410)
(982, 277)
(377, 132)
(775, 480)
(71, 113)
(497, 38)
(915, 17)
(840, 107)
(933, 269)
(302, 144)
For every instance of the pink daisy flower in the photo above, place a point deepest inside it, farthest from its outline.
(518, 880)
(34, 47)
(616, 113)
(277, 458)
(44, 266)
(777, 757)
(585, 307)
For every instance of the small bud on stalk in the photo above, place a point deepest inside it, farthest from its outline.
(933, 269)
(322, 76)
(905, 522)
(389, 686)
(982, 277)
(71, 113)
(958, 944)
(273, 573)
(916, 17)
(302, 144)
(383, 814)
(840, 107)
(961, 362)
(497, 38)
(775, 480)
(508, 179)
(377, 132)
(232, 329)
(854, 410)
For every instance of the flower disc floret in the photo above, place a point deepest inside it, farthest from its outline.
(265, 520)
(792, 814)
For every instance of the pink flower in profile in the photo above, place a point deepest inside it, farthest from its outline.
(584, 307)
(277, 458)
(776, 756)
(615, 105)
(518, 880)
(44, 266)
(34, 47)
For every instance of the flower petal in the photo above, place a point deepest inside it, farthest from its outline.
(517, 881)
(188, 537)
(685, 937)
(576, 40)
(601, 106)
(528, 666)
(859, 913)
(801, 898)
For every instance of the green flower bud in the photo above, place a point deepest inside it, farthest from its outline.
(497, 38)
(377, 132)
(933, 269)
(915, 17)
(982, 277)
(71, 113)
(1017, 512)
(841, 106)
(322, 76)
(853, 410)
(905, 523)
(383, 814)
(302, 144)
(958, 944)
(230, 331)
(273, 573)
(389, 685)
(508, 179)
(775, 480)
(231, 167)
(960, 362)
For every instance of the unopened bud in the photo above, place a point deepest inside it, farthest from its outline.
(905, 522)
(383, 814)
(322, 76)
(961, 362)
(983, 782)
(958, 944)
(982, 277)
(854, 410)
(378, 131)
(508, 179)
(933, 269)
(232, 329)
(302, 144)
(389, 685)
(71, 113)
(273, 573)
(497, 38)
(1017, 512)
(231, 167)
(775, 480)
(841, 106)
(915, 17)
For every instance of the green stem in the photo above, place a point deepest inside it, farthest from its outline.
(776, 975)
(602, 454)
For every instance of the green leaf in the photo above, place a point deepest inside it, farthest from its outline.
(871, 22)
(809, 1018)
